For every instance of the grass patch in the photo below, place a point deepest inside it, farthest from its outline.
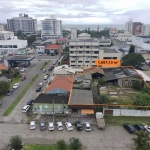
(16, 101)
(15, 80)
(119, 120)
(45, 64)
(41, 147)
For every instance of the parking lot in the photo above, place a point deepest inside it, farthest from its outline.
(112, 138)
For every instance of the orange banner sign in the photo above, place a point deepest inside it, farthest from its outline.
(108, 63)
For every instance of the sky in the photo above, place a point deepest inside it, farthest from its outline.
(79, 11)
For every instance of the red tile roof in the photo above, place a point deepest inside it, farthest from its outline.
(3, 67)
(53, 46)
(62, 39)
(64, 83)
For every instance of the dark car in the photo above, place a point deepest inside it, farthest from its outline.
(51, 68)
(42, 126)
(78, 125)
(0, 102)
(129, 128)
(38, 89)
(30, 102)
(10, 92)
(139, 127)
(23, 78)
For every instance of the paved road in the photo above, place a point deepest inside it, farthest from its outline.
(112, 138)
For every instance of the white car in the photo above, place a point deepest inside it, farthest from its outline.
(32, 125)
(41, 84)
(45, 77)
(147, 128)
(25, 108)
(40, 54)
(69, 126)
(16, 85)
(50, 126)
(87, 126)
(60, 126)
(23, 70)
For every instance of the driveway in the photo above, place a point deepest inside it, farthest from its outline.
(112, 138)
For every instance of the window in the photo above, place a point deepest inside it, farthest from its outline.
(73, 61)
(81, 46)
(0, 46)
(72, 46)
(106, 57)
(14, 46)
(93, 61)
(114, 57)
(10, 46)
(94, 56)
(5, 46)
(87, 61)
(80, 52)
(87, 52)
(96, 52)
(87, 47)
(71, 52)
(79, 61)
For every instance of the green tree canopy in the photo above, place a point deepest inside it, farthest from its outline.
(132, 59)
(31, 39)
(4, 87)
(61, 145)
(132, 49)
(15, 142)
(142, 99)
(75, 143)
(102, 99)
(101, 81)
(136, 85)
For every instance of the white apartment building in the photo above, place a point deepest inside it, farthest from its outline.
(146, 30)
(12, 45)
(73, 33)
(5, 35)
(1, 27)
(24, 23)
(124, 37)
(129, 26)
(84, 52)
(51, 28)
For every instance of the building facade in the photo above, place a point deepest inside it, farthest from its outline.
(24, 23)
(51, 28)
(5, 35)
(146, 30)
(137, 28)
(73, 33)
(128, 26)
(124, 37)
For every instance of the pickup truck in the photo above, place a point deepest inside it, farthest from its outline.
(100, 120)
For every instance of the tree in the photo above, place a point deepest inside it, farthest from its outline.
(141, 141)
(132, 59)
(15, 142)
(132, 49)
(4, 87)
(136, 85)
(101, 81)
(61, 145)
(103, 99)
(31, 39)
(75, 143)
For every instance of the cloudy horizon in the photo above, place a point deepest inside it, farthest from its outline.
(79, 11)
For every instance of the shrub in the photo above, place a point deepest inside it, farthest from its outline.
(15, 142)
(75, 144)
(136, 85)
(103, 99)
(61, 145)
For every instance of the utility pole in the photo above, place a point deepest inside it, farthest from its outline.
(53, 111)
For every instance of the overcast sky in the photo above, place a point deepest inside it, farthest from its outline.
(79, 11)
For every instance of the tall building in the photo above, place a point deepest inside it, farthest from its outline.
(51, 28)
(146, 30)
(73, 33)
(6, 35)
(128, 26)
(24, 23)
(137, 28)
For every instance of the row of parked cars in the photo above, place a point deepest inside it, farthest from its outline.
(136, 127)
(60, 127)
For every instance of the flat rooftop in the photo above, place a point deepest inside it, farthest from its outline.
(84, 40)
(17, 58)
(110, 51)
(79, 96)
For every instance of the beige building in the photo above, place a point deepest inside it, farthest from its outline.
(83, 51)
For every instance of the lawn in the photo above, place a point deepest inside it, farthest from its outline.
(20, 96)
(119, 120)
(41, 147)
(45, 64)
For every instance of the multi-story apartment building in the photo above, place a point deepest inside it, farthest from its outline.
(146, 30)
(128, 26)
(51, 28)
(5, 35)
(24, 23)
(83, 51)
(137, 28)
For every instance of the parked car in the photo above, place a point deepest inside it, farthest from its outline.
(78, 125)
(23, 78)
(87, 127)
(51, 68)
(23, 70)
(40, 54)
(42, 126)
(30, 102)
(1, 102)
(139, 127)
(45, 77)
(41, 84)
(44, 70)
(129, 128)
(50, 126)
(16, 85)
(10, 92)
(147, 128)
(69, 126)
(60, 126)
(32, 125)
(10, 54)
(38, 89)
(25, 108)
